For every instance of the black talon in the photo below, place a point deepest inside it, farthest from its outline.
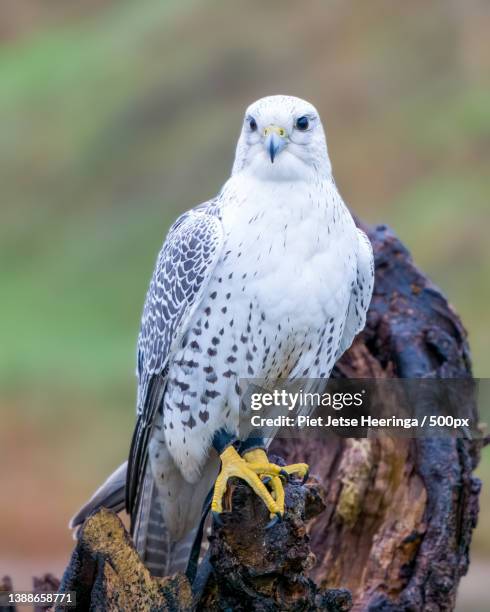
(284, 475)
(306, 476)
(276, 519)
(217, 521)
(266, 480)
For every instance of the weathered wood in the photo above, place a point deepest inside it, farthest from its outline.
(258, 569)
(400, 513)
(107, 575)
(251, 567)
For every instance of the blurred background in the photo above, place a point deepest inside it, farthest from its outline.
(116, 115)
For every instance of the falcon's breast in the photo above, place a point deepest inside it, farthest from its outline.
(274, 308)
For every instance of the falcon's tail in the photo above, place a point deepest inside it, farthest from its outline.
(151, 537)
(166, 548)
(109, 495)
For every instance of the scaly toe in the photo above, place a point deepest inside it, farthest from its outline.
(300, 469)
(278, 493)
(232, 465)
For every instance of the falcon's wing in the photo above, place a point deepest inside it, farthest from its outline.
(182, 272)
(361, 293)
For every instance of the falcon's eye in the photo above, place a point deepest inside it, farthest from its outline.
(302, 123)
(252, 124)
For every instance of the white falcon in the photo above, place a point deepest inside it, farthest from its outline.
(271, 279)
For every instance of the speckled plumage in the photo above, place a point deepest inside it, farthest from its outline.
(270, 310)
(271, 279)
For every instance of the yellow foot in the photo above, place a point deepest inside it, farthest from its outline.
(259, 457)
(254, 468)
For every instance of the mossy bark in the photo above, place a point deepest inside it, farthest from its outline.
(107, 575)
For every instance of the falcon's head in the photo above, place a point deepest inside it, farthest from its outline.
(282, 139)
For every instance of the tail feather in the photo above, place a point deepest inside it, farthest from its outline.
(150, 535)
(109, 495)
(167, 513)
(156, 554)
(159, 553)
(180, 553)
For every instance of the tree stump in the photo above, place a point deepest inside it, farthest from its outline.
(254, 568)
(400, 513)
(248, 567)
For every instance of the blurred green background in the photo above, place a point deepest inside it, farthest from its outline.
(116, 115)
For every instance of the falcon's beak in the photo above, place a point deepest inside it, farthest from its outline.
(274, 140)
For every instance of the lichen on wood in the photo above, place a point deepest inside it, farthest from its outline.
(106, 572)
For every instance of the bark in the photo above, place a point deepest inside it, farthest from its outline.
(247, 567)
(107, 575)
(255, 568)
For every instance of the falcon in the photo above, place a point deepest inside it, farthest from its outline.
(271, 279)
